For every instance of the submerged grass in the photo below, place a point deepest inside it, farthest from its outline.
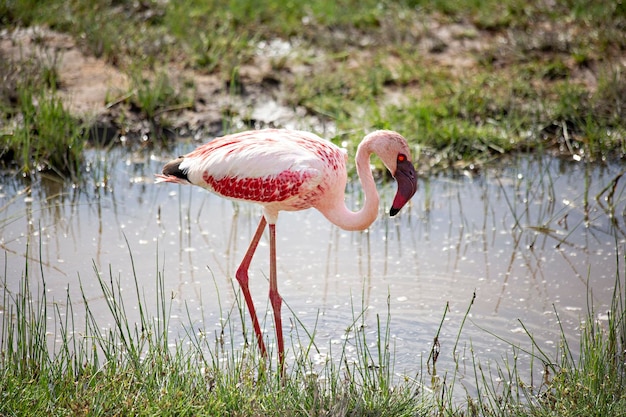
(114, 365)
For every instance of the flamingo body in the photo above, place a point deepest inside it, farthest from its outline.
(275, 168)
(287, 170)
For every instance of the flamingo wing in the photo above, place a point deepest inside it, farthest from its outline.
(264, 166)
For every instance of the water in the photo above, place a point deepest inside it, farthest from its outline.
(528, 239)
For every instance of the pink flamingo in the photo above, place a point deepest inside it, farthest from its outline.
(292, 170)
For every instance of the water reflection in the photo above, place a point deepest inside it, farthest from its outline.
(527, 240)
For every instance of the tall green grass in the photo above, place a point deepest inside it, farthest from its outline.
(49, 365)
(112, 364)
(38, 131)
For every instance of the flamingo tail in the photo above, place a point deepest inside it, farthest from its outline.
(173, 173)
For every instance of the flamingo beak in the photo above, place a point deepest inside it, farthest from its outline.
(407, 185)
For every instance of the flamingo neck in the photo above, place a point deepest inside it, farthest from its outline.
(347, 219)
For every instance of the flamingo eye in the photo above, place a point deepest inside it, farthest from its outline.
(401, 157)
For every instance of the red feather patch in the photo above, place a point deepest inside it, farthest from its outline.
(260, 190)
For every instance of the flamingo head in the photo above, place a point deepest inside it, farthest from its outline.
(394, 151)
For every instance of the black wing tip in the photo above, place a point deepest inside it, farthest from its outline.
(173, 168)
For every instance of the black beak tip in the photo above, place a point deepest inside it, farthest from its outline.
(393, 211)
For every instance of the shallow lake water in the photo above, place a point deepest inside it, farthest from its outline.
(534, 240)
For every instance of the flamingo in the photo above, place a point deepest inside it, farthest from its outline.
(289, 170)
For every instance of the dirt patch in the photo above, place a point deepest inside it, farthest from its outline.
(85, 83)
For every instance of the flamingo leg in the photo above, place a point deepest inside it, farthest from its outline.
(242, 278)
(275, 299)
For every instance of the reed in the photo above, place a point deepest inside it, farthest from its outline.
(51, 366)
(136, 367)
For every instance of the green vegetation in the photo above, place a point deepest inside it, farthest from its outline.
(136, 367)
(153, 98)
(465, 81)
(44, 135)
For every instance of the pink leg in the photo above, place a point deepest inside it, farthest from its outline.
(242, 277)
(276, 300)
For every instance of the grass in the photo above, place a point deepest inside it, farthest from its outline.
(48, 138)
(154, 97)
(40, 133)
(50, 364)
(534, 67)
(137, 368)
